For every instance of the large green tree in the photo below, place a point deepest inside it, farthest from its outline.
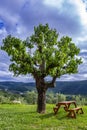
(42, 55)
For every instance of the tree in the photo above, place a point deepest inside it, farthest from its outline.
(42, 55)
(30, 97)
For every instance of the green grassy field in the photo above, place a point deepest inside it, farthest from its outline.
(25, 117)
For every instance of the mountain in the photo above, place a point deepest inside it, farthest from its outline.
(17, 87)
(65, 87)
(71, 87)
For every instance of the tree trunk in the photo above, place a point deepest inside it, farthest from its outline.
(41, 101)
(42, 87)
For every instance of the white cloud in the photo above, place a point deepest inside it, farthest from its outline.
(81, 10)
(83, 50)
(3, 31)
(54, 3)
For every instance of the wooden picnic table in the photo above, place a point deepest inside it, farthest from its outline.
(66, 105)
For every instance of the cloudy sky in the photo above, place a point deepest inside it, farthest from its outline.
(19, 17)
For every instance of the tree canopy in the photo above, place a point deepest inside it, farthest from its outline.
(42, 53)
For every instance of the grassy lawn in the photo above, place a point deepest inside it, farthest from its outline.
(25, 117)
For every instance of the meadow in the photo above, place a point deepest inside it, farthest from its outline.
(25, 117)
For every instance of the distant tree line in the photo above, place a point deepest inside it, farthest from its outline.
(30, 97)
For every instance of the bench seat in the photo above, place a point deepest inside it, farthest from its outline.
(72, 112)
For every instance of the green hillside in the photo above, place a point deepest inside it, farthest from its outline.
(72, 87)
(17, 86)
(65, 87)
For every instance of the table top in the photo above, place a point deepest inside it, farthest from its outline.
(66, 102)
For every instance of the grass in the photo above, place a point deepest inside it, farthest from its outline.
(25, 117)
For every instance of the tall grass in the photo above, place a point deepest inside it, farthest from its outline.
(25, 117)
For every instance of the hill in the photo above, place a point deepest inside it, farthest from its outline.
(17, 87)
(71, 87)
(65, 87)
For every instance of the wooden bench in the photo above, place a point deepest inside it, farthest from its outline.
(72, 112)
(65, 104)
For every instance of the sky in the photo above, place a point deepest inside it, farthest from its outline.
(68, 17)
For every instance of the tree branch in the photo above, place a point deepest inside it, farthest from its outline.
(51, 84)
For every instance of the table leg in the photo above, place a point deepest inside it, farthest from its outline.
(72, 103)
(75, 104)
(66, 107)
(56, 109)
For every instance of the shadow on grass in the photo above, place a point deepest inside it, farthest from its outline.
(48, 115)
(52, 115)
(61, 117)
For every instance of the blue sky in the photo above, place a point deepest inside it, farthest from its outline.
(19, 17)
